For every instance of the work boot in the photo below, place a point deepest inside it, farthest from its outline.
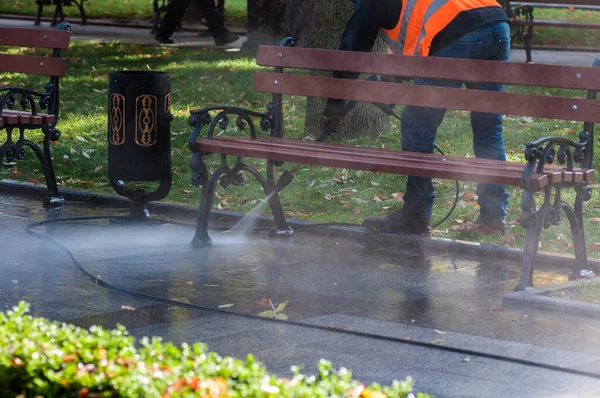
(224, 38)
(398, 223)
(497, 224)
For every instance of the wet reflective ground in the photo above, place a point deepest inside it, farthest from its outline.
(397, 289)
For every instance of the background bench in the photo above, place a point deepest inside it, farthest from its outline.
(538, 174)
(522, 18)
(58, 10)
(28, 108)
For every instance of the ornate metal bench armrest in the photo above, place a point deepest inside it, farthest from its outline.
(546, 150)
(201, 117)
(19, 98)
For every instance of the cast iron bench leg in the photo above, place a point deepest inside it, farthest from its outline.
(203, 178)
(54, 198)
(548, 215)
(532, 220)
(281, 227)
(578, 231)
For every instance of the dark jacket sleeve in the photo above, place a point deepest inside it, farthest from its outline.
(360, 35)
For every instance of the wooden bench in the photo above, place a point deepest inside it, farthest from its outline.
(522, 19)
(535, 176)
(58, 10)
(25, 108)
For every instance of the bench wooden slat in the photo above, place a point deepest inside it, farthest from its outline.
(38, 38)
(432, 67)
(573, 109)
(33, 64)
(559, 24)
(367, 162)
(554, 174)
(20, 117)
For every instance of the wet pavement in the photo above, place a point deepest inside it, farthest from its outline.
(402, 290)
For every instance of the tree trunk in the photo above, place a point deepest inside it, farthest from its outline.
(322, 28)
(300, 22)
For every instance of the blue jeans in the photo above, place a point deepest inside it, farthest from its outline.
(420, 125)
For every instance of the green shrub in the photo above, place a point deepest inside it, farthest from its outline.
(39, 358)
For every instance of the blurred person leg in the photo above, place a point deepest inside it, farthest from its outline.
(214, 21)
(173, 16)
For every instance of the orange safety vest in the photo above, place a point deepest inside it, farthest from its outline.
(421, 20)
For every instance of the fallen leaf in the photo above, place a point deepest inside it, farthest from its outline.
(466, 359)
(15, 281)
(508, 239)
(469, 196)
(441, 331)
(282, 317)
(496, 309)
(593, 247)
(267, 314)
(438, 341)
(81, 139)
(226, 306)
(594, 219)
(186, 191)
(128, 308)
(97, 169)
(399, 196)
(265, 302)
(282, 306)
(355, 210)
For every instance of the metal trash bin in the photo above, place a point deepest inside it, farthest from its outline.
(139, 139)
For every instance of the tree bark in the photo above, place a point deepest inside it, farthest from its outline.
(300, 22)
(319, 24)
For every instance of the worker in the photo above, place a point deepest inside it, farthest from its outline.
(470, 29)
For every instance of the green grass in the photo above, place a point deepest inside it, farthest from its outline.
(204, 77)
(587, 291)
(235, 10)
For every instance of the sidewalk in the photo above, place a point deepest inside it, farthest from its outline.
(130, 35)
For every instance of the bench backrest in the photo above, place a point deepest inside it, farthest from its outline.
(34, 38)
(545, 106)
(53, 65)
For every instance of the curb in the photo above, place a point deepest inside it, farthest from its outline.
(226, 219)
(537, 298)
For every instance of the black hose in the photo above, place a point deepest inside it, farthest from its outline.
(414, 343)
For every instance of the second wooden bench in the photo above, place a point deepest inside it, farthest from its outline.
(539, 174)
